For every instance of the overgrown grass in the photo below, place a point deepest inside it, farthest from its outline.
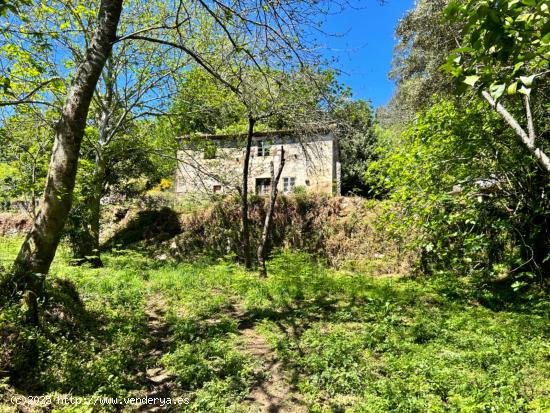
(350, 342)
(91, 328)
(379, 344)
(402, 348)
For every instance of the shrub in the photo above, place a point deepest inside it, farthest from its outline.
(474, 197)
(336, 229)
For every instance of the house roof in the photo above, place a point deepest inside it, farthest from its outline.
(287, 132)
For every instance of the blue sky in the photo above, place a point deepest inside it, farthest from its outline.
(364, 50)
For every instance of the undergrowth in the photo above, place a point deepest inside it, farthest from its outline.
(349, 341)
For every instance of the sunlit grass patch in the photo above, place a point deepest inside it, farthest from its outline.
(397, 344)
(349, 341)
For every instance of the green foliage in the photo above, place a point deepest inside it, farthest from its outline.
(84, 349)
(202, 362)
(351, 342)
(205, 358)
(356, 140)
(334, 228)
(12, 6)
(135, 155)
(24, 156)
(204, 106)
(425, 40)
(403, 345)
(505, 44)
(77, 230)
(274, 98)
(454, 175)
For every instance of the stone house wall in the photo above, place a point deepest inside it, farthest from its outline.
(311, 162)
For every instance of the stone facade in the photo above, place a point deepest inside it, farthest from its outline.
(213, 163)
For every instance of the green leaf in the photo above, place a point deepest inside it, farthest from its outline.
(471, 80)
(518, 66)
(527, 80)
(513, 88)
(497, 90)
(524, 90)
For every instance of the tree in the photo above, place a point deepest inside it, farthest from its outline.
(357, 141)
(24, 158)
(258, 99)
(275, 178)
(11, 6)
(251, 29)
(425, 40)
(203, 105)
(39, 247)
(471, 198)
(137, 82)
(461, 181)
(505, 50)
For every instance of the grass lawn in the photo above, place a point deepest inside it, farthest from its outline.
(342, 341)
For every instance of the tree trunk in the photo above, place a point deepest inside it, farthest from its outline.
(39, 247)
(527, 138)
(85, 240)
(275, 178)
(95, 210)
(86, 247)
(244, 209)
(84, 226)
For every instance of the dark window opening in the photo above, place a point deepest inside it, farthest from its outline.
(217, 189)
(263, 186)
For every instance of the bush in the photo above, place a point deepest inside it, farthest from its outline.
(461, 181)
(337, 229)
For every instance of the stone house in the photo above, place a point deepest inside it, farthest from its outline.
(211, 164)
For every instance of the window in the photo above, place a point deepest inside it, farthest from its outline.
(289, 183)
(263, 148)
(263, 186)
(217, 189)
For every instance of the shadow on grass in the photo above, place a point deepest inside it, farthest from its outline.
(150, 226)
(62, 353)
(406, 307)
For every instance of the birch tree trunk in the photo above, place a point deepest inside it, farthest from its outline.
(40, 245)
(528, 139)
(275, 178)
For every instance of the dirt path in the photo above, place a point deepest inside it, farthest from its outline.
(271, 393)
(159, 383)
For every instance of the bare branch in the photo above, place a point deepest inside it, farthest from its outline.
(25, 99)
(530, 124)
(525, 138)
(191, 53)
